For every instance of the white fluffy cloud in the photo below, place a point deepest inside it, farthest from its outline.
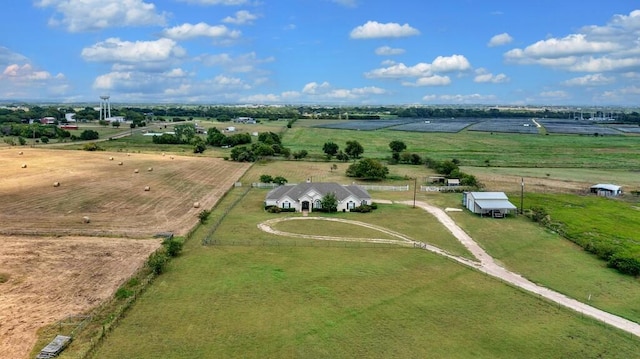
(190, 31)
(389, 51)
(500, 39)
(590, 80)
(613, 47)
(433, 80)
(92, 15)
(461, 99)
(325, 92)
(347, 3)
(426, 74)
(242, 17)
(375, 30)
(484, 76)
(139, 52)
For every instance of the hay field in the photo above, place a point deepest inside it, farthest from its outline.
(50, 278)
(111, 194)
(52, 263)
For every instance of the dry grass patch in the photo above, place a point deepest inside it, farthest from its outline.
(112, 195)
(50, 278)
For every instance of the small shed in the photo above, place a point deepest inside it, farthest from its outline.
(606, 190)
(453, 181)
(494, 204)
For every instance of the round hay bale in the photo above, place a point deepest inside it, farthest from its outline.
(110, 158)
(162, 153)
(147, 188)
(150, 169)
(136, 171)
(171, 157)
(24, 165)
(196, 205)
(56, 184)
(86, 219)
(120, 163)
(20, 153)
(128, 154)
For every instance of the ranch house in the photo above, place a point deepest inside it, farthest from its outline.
(308, 196)
(494, 204)
(606, 190)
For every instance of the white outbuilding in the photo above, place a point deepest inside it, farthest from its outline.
(494, 204)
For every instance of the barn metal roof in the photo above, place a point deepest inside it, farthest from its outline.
(494, 204)
(607, 186)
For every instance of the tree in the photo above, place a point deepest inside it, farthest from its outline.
(115, 124)
(329, 202)
(341, 156)
(330, 148)
(280, 180)
(269, 138)
(397, 146)
(199, 146)
(354, 149)
(300, 154)
(88, 135)
(368, 169)
(185, 132)
(266, 179)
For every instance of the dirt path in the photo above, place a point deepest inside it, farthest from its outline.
(485, 262)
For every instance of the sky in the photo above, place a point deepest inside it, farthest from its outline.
(327, 52)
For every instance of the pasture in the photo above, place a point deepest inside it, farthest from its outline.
(53, 261)
(247, 296)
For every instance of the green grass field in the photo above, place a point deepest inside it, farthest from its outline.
(296, 301)
(312, 302)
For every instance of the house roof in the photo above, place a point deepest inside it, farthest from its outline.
(607, 186)
(494, 204)
(297, 191)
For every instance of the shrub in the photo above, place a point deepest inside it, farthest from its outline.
(123, 293)
(204, 215)
(91, 146)
(173, 246)
(158, 262)
(273, 209)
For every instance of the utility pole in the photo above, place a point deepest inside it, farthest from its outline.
(415, 185)
(522, 196)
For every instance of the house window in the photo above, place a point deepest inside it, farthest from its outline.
(364, 202)
(351, 205)
(317, 204)
(286, 204)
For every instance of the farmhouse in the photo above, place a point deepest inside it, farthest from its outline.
(606, 190)
(308, 196)
(494, 204)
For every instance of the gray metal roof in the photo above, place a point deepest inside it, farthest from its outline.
(607, 186)
(489, 195)
(297, 191)
(494, 204)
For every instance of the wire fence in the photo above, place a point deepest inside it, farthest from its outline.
(209, 236)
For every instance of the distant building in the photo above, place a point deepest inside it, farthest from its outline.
(308, 196)
(494, 204)
(250, 120)
(48, 120)
(606, 190)
(70, 117)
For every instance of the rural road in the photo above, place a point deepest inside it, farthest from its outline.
(485, 262)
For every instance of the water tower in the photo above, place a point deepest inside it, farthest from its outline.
(105, 107)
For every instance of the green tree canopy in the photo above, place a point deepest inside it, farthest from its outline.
(368, 169)
(354, 149)
(330, 148)
(397, 146)
(329, 202)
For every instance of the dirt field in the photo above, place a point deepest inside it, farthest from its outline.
(52, 264)
(113, 196)
(51, 278)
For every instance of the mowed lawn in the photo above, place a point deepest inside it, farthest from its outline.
(287, 301)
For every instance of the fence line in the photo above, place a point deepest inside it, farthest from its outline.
(383, 188)
(209, 237)
(444, 188)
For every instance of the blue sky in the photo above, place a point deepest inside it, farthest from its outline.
(334, 52)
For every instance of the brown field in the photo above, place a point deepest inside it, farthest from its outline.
(111, 195)
(50, 278)
(52, 264)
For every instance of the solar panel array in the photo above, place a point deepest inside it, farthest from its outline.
(506, 125)
(500, 125)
